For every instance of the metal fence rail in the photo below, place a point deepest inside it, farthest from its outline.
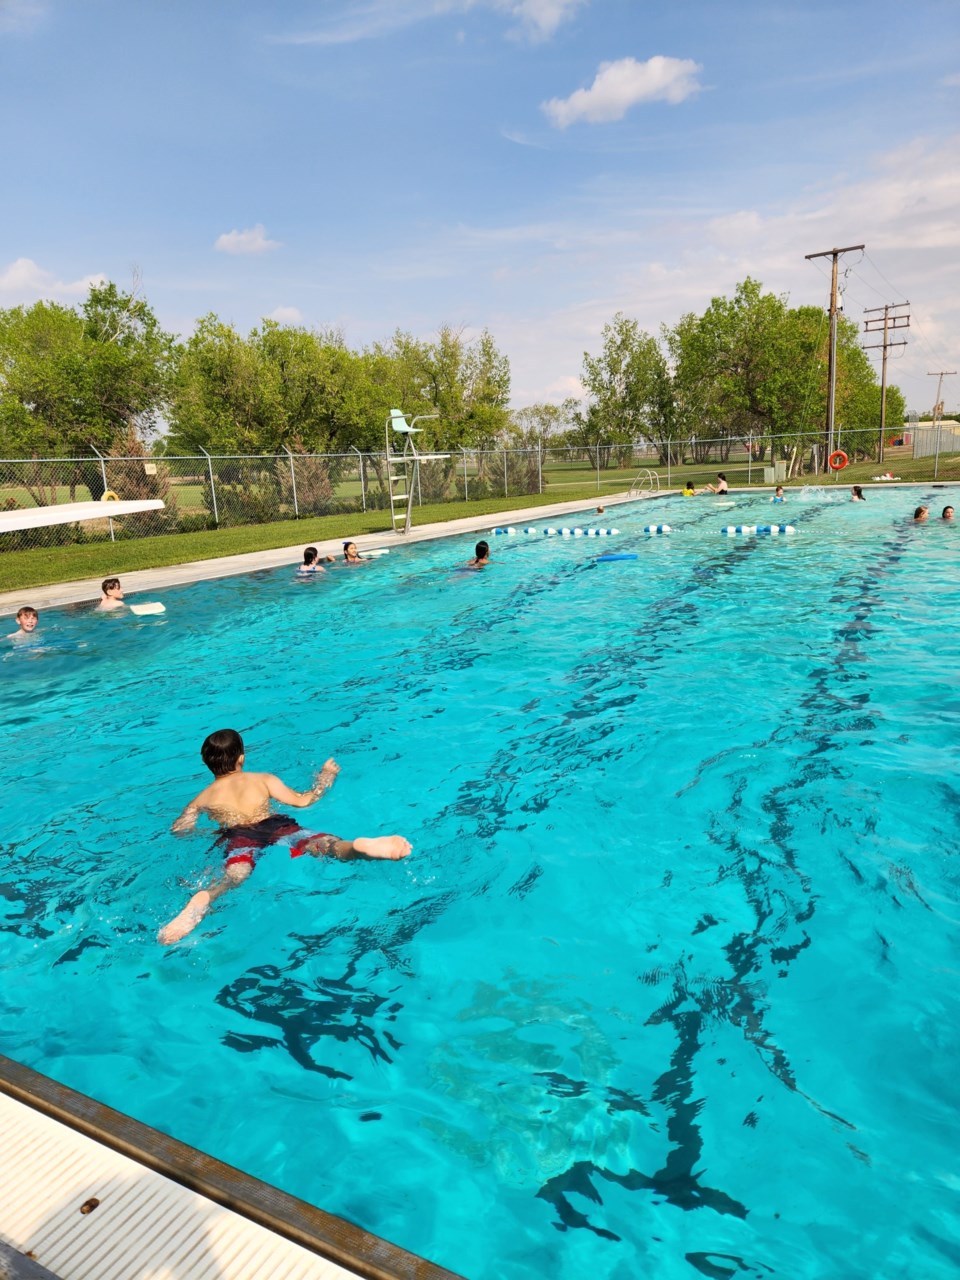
(208, 491)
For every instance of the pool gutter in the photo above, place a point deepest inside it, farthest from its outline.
(147, 1191)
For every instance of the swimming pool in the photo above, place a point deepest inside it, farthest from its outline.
(668, 985)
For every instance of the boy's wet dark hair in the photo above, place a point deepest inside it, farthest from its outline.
(28, 610)
(310, 554)
(221, 751)
(481, 550)
(108, 584)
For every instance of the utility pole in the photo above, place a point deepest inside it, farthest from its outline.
(892, 319)
(938, 410)
(832, 368)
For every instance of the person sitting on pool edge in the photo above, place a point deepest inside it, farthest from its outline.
(481, 556)
(312, 561)
(721, 487)
(946, 514)
(27, 619)
(921, 514)
(112, 595)
(778, 494)
(240, 803)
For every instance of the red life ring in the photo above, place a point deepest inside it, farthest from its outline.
(837, 461)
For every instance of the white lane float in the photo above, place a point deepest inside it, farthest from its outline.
(731, 530)
(511, 532)
(657, 528)
(580, 533)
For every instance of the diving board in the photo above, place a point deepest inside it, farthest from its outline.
(72, 512)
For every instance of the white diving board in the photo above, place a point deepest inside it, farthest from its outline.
(72, 512)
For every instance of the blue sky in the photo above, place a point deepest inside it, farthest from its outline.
(528, 166)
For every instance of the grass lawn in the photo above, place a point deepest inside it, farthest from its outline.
(20, 570)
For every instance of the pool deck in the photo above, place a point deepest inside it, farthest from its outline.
(89, 1194)
(136, 583)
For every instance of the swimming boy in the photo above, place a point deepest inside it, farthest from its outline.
(240, 803)
(778, 494)
(112, 595)
(28, 618)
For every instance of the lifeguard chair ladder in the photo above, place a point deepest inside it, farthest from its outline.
(403, 468)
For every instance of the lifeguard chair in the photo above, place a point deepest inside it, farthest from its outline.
(403, 466)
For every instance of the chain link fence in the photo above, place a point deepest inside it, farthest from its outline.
(212, 491)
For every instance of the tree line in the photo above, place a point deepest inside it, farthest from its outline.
(105, 375)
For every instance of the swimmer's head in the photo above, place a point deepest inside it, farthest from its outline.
(779, 490)
(28, 616)
(110, 584)
(600, 511)
(947, 514)
(857, 491)
(310, 554)
(350, 551)
(482, 550)
(921, 513)
(222, 751)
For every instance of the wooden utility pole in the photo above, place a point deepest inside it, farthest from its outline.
(891, 320)
(938, 410)
(832, 367)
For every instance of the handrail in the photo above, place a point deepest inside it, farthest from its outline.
(650, 481)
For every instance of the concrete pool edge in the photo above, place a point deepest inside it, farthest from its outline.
(87, 590)
(338, 1242)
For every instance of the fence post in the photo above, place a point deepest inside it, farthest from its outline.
(669, 459)
(505, 494)
(293, 482)
(103, 472)
(540, 463)
(464, 452)
(749, 458)
(363, 487)
(213, 487)
(598, 466)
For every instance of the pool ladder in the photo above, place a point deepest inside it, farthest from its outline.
(646, 481)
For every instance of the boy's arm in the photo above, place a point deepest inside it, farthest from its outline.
(302, 799)
(188, 819)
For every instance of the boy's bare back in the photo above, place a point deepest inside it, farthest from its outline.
(240, 798)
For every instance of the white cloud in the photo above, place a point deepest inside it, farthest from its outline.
(24, 281)
(620, 85)
(286, 315)
(20, 15)
(951, 81)
(253, 240)
(535, 19)
(539, 19)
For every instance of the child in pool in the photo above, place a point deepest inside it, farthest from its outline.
(312, 561)
(778, 494)
(481, 556)
(112, 595)
(240, 802)
(856, 494)
(351, 555)
(27, 617)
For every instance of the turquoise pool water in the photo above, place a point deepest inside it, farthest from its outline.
(668, 986)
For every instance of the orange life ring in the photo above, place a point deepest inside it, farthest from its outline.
(837, 461)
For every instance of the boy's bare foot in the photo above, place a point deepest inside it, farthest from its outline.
(188, 919)
(392, 847)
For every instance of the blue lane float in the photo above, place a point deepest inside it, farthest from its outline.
(657, 528)
(510, 532)
(580, 533)
(616, 555)
(731, 530)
